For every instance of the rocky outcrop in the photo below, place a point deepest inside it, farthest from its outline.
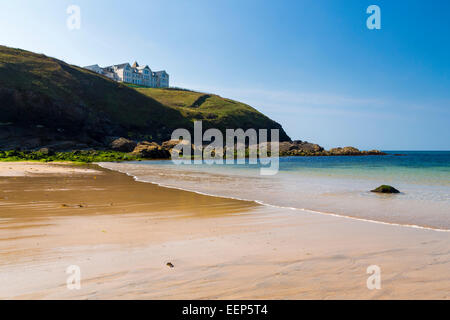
(151, 150)
(123, 145)
(385, 189)
(347, 151)
(304, 148)
(170, 145)
(294, 148)
(299, 147)
(351, 151)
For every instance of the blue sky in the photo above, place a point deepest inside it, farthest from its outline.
(311, 65)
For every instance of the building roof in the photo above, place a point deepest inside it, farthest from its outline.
(93, 66)
(135, 64)
(119, 66)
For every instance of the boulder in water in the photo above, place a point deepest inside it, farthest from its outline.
(385, 189)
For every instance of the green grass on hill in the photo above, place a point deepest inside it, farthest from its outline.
(172, 98)
(213, 110)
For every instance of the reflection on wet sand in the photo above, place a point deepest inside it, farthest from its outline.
(123, 234)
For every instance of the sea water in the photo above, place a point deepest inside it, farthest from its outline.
(338, 185)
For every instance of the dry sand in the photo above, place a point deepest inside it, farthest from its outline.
(122, 233)
(22, 169)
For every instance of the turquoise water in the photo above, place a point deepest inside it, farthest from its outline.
(431, 167)
(335, 185)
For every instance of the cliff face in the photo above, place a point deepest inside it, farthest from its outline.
(45, 101)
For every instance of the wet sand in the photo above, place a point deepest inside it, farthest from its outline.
(122, 233)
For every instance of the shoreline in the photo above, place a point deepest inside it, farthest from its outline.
(85, 156)
(259, 202)
(126, 231)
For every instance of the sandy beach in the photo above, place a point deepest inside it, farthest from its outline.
(122, 233)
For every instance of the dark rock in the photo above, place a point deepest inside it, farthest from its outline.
(385, 189)
(373, 153)
(352, 151)
(151, 150)
(295, 148)
(123, 145)
(298, 146)
(170, 145)
(170, 265)
(346, 151)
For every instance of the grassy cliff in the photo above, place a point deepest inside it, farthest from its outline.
(44, 100)
(213, 110)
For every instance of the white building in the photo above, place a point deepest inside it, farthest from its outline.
(134, 74)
